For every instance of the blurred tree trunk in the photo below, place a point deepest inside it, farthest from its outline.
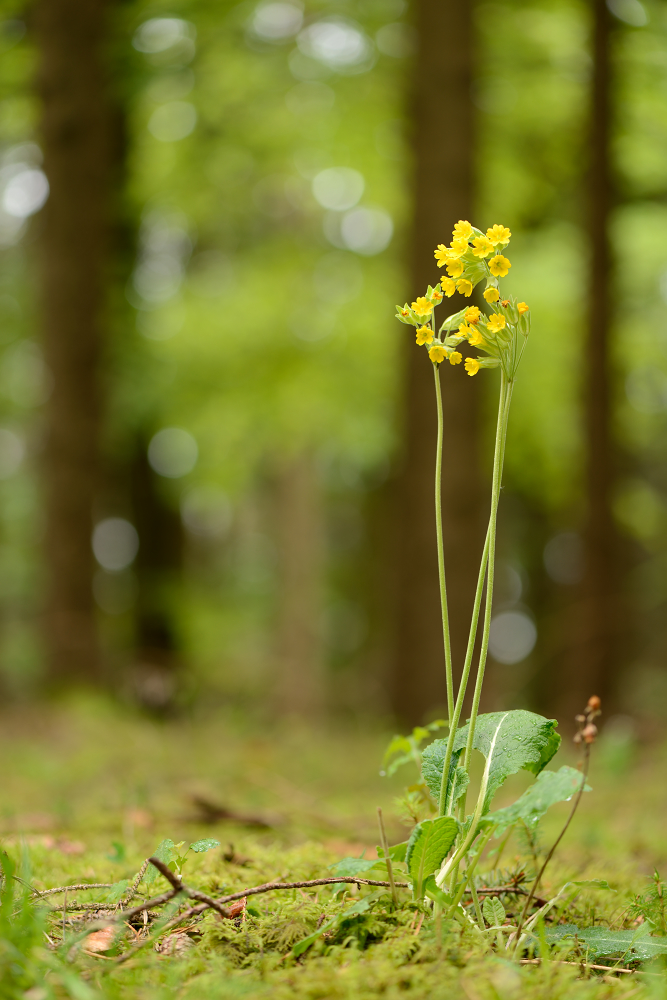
(75, 129)
(158, 569)
(442, 140)
(299, 542)
(594, 660)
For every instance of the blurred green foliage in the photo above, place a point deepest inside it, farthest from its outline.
(253, 297)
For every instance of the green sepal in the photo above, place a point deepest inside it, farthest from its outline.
(454, 321)
(410, 319)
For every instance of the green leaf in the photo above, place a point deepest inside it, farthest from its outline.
(356, 866)
(396, 853)
(521, 741)
(427, 848)
(164, 852)
(550, 787)
(117, 891)
(201, 846)
(593, 883)
(493, 911)
(600, 942)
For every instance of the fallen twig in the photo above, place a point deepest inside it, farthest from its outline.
(179, 886)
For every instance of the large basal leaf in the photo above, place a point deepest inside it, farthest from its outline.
(551, 787)
(494, 912)
(520, 740)
(599, 942)
(428, 846)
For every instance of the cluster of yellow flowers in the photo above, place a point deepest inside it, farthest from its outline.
(471, 257)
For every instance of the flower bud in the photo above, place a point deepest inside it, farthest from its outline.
(594, 703)
(589, 732)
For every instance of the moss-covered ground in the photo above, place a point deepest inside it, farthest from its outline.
(88, 791)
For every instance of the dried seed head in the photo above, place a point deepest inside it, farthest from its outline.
(589, 732)
(594, 703)
(576, 738)
(580, 718)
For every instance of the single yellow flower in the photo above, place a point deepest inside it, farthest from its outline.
(465, 330)
(422, 307)
(437, 354)
(522, 307)
(454, 268)
(491, 294)
(448, 286)
(458, 247)
(476, 339)
(464, 287)
(496, 322)
(482, 247)
(442, 254)
(455, 358)
(499, 266)
(462, 230)
(498, 234)
(472, 314)
(472, 366)
(424, 335)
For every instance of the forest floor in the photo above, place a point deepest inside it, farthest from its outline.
(88, 792)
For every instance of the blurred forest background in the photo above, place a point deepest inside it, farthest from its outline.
(216, 443)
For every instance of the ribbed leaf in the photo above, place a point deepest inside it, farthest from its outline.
(428, 846)
(493, 911)
(521, 741)
(599, 942)
(550, 787)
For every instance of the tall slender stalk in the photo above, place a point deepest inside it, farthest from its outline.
(441, 552)
(506, 388)
(503, 409)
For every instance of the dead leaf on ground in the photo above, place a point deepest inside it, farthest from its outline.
(100, 941)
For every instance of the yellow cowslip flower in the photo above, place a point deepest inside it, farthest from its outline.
(472, 314)
(522, 307)
(462, 230)
(436, 296)
(455, 358)
(424, 335)
(496, 322)
(422, 307)
(464, 287)
(442, 254)
(476, 339)
(465, 330)
(455, 268)
(498, 234)
(436, 354)
(458, 247)
(491, 294)
(482, 247)
(472, 366)
(499, 266)
(448, 286)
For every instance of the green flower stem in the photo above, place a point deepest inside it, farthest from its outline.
(506, 388)
(454, 722)
(464, 677)
(470, 872)
(441, 553)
